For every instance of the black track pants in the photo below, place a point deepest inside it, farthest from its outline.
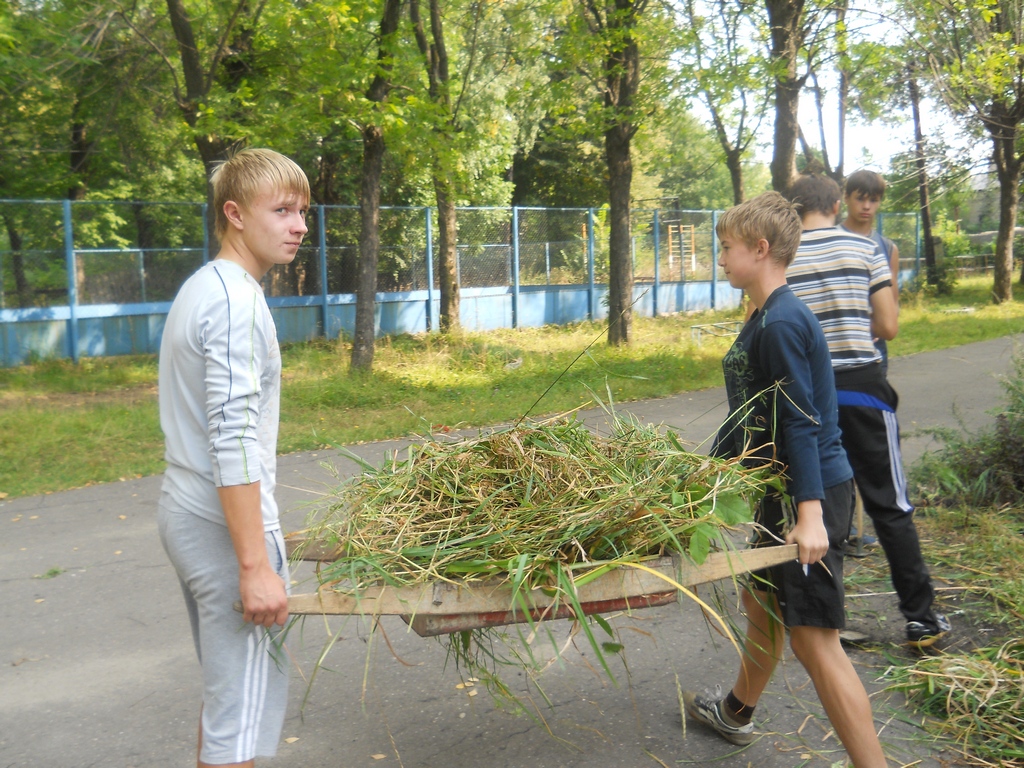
(870, 435)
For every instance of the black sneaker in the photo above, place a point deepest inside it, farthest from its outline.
(707, 710)
(923, 634)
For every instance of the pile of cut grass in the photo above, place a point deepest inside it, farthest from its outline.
(547, 505)
(979, 698)
(529, 501)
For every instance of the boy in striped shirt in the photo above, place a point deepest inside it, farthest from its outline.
(847, 283)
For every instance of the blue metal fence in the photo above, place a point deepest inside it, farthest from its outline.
(95, 278)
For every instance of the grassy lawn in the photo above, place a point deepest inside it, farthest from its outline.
(67, 425)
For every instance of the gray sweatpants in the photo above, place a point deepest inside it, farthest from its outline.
(245, 673)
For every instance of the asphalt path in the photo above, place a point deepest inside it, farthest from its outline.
(97, 666)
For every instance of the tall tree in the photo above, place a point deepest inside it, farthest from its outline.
(694, 175)
(369, 199)
(483, 71)
(616, 23)
(723, 65)
(921, 167)
(209, 74)
(435, 53)
(788, 31)
(975, 48)
(603, 43)
(817, 54)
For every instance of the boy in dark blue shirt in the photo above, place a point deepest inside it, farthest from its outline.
(782, 400)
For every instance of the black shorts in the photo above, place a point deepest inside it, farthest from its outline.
(817, 598)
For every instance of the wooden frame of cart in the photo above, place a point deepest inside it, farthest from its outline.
(442, 607)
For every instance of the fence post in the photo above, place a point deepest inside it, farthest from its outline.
(657, 254)
(515, 266)
(714, 258)
(430, 271)
(322, 233)
(591, 294)
(72, 268)
(206, 236)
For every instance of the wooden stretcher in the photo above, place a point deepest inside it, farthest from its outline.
(439, 608)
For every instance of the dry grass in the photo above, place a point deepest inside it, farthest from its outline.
(979, 700)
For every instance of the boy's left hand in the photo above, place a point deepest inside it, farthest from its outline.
(809, 532)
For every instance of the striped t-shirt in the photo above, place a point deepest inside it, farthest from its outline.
(834, 273)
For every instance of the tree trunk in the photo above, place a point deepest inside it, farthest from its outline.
(733, 155)
(79, 160)
(369, 249)
(931, 267)
(785, 18)
(620, 261)
(436, 55)
(369, 203)
(734, 162)
(212, 148)
(1008, 164)
(447, 257)
(21, 286)
(622, 81)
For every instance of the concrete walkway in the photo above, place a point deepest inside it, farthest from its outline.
(97, 666)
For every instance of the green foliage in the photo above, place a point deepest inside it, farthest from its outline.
(972, 694)
(722, 65)
(985, 468)
(877, 70)
(944, 276)
(692, 167)
(949, 182)
(955, 241)
(942, 283)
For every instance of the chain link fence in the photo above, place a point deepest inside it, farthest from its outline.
(139, 252)
(553, 246)
(901, 228)
(124, 253)
(33, 270)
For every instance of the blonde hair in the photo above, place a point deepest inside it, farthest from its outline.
(768, 216)
(247, 174)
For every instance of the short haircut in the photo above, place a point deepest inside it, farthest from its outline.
(769, 216)
(867, 183)
(814, 193)
(250, 173)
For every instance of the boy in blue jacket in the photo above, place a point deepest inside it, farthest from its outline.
(782, 400)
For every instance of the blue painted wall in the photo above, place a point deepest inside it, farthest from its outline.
(131, 329)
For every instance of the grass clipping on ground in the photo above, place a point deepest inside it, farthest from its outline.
(980, 699)
(546, 505)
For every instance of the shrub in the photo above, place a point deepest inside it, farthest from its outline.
(984, 469)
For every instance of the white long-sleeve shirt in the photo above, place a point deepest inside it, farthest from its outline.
(220, 391)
